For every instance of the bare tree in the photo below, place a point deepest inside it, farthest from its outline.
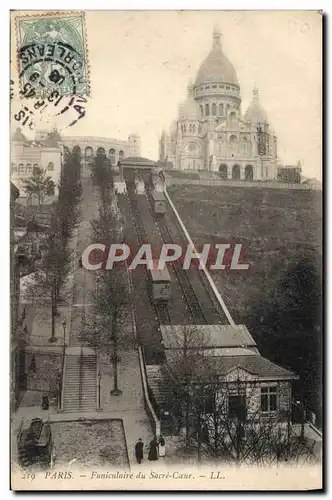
(226, 422)
(187, 353)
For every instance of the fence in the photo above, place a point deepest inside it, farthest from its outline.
(248, 184)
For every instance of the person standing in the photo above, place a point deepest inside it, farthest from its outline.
(139, 450)
(153, 452)
(162, 447)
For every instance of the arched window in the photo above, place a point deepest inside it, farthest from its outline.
(66, 150)
(232, 114)
(101, 151)
(202, 110)
(112, 156)
(214, 109)
(88, 152)
(249, 173)
(35, 167)
(223, 171)
(190, 128)
(14, 168)
(236, 172)
(77, 150)
(221, 110)
(184, 129)
(50, 166)
(194, 129)
(21, 169)
(121, 155)
(29, 169)
(233, 139)
(207, 110)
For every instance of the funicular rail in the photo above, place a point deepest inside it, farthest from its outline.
(189, 293)
(214, 312)
(162, 310)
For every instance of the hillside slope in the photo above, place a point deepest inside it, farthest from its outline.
(279, 297)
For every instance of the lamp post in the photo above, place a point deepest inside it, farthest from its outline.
(99, 383)
(64, 324)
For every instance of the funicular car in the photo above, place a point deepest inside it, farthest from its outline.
(159, 284)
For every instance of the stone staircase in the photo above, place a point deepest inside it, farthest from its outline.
(160, 386)
(80, 383)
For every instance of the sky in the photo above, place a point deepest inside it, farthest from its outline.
(141, 62)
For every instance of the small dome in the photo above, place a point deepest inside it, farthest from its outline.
(18, 136)
(189, 109)
(216, 67)
(255, 112)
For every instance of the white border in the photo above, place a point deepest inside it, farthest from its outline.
(324, 5)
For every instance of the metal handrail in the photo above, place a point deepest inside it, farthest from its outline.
(97, 382)
(80, 379)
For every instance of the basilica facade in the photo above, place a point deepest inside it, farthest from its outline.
(212, 134)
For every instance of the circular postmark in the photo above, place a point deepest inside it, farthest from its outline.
(51, 75)
(48, 66)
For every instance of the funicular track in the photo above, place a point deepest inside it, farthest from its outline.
(189, 294)
(205, 307)
(162, 310)
(212, 309)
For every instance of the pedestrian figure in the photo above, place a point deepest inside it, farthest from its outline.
(162, 447)
(153, 452)
(139, 450)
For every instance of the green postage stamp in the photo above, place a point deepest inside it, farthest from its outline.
(52, 54)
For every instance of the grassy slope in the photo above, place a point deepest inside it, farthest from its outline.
(278, 229)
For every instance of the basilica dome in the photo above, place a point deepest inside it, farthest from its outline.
(256, 112)
(216, 67)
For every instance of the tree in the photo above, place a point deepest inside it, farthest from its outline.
(56, 256)
(188, 345)
(39, 184)
(112, 298)
(226, 423)
(102, 174)
(288, 323)
(47, 282)
(111, 305)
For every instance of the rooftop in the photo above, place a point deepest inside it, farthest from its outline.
(137, 161)
(213, 336)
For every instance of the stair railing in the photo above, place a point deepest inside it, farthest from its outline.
(61, 389)
(80, 379)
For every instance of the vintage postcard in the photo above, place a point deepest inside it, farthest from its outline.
(166, 250)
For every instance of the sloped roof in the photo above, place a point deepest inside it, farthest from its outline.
(14, 191)
(137, 160)
(18, 135)
(214, 336)
(252, 363)
(255, 365)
